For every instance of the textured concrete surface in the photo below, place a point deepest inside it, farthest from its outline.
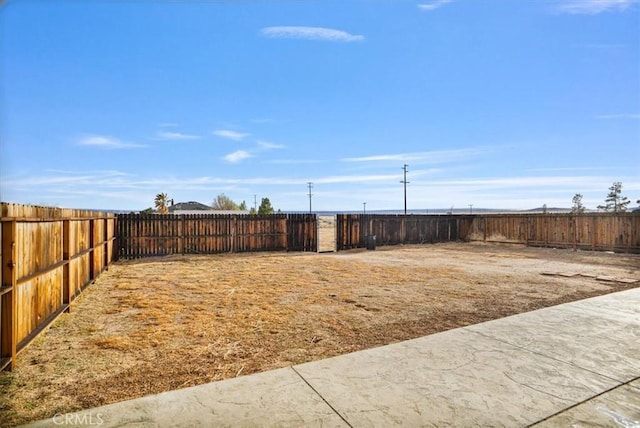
(619, 407)
(459, 378)
(275, 398)
(584, 334)
(574, 365)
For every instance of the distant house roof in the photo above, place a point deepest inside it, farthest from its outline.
(189, 206)
(193, 207)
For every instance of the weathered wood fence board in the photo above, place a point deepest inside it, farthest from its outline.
(302, 232)
(48, 256)
(593, 231)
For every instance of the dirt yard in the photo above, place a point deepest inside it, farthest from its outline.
(153, 325)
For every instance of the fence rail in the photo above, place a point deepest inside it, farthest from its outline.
(594, 231)
(48, 255)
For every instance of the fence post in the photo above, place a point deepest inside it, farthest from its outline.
(234, 225)
(575, 232)
(66, 256)
(92, 254)
(484, 229)
(181, 242)
(8, 297)
(105, 243)
(593, 233)
(628, 235)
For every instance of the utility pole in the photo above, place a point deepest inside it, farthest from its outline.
(310, 184)
(405, 182)
(255, 203)
(364, 209)
(470, 208)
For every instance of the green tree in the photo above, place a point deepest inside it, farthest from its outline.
(161, 203)
(577, 207)
(223, 202)
(614, 201)
(147, 211)
(265, 207)
(243, 206)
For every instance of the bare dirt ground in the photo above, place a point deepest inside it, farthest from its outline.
(153, 325)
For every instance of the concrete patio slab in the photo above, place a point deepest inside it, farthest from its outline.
(456, 378)
(589, 334)
(275, 398)
(619, 407)
(619, 306)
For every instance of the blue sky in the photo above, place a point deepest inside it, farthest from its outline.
(497, 103)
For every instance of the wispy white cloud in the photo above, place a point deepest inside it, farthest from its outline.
(231, 135)
(433, 5)
(565, 169)
(345, 179)
(293, 161)
(619, 116)
(593, 7)
(237, 156)
(165, 135)
(100, 172)
(310, 33)
(106, 142)
(266, 145)
(432, 157)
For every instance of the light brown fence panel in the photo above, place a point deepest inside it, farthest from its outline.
(592, 231)
(78, 250)
(48, 255)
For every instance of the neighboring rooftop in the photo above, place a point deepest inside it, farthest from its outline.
(189, 206)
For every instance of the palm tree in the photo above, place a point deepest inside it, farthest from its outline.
(161, 202)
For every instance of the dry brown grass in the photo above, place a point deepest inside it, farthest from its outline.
(159, 324)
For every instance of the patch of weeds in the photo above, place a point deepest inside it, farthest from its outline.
(6, 378)
(30, 405)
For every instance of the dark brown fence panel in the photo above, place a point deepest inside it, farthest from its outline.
(301, 232)
(593, 231)
(352, 229)
(159, 235)
(48, 255)
(261, 233)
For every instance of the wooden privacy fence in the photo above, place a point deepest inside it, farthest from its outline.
(352, 229)
(158, 235)
(594, 231)
(48, 255)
